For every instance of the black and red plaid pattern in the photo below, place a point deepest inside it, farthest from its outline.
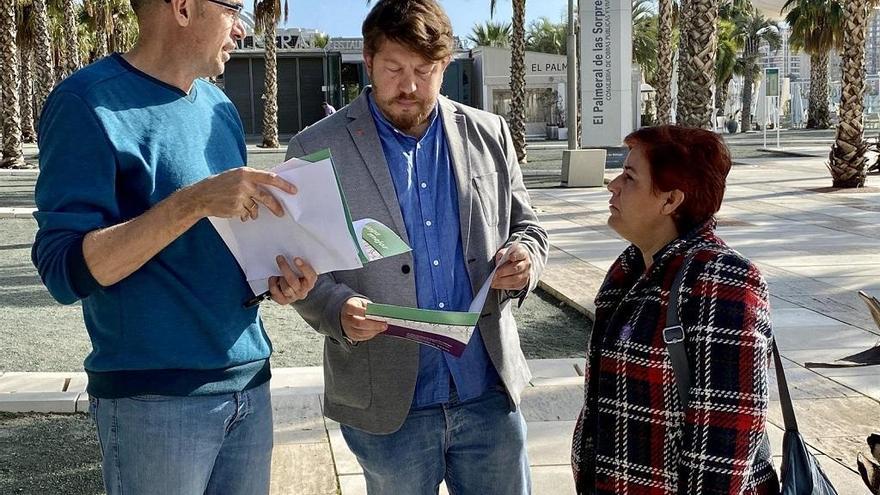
(633, 435)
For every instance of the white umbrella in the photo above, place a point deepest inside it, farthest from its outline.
(797, 108)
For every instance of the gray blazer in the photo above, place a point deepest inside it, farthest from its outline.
(370, 386)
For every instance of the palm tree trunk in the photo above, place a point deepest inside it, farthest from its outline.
(101, 49)
(270, 92)
(518, 79)
(12, 154)
(663, 84)
(684, 41)
(101, 34)
(121, 37)
(71, 43)
(697, 71)
(721, 94)
(747, 95)
(819, 116)
(26, 96)
(58, 59)
(43, 67)
(847, 158)
(114, 43)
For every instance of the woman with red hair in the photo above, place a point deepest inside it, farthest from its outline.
(643, 428)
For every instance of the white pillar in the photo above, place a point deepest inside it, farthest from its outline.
(606, 72)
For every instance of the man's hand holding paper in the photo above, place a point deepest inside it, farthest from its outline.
(355, 324)
(513, 274)
(294, 283)
(238, 193)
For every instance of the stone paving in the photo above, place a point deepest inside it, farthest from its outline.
(815, 246)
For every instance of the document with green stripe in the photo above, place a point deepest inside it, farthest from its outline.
(449, 331)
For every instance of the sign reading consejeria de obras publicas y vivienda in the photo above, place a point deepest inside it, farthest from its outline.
(606, 71)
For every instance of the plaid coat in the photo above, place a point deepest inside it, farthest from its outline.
(634, 436)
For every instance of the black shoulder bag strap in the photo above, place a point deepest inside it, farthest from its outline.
(788, 416)
(673, 335)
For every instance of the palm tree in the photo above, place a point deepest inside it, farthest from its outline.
(517, 76)
(546, 36)
(99, 21)
(70, 32)
(26, 94)
(125, 28)
(321, 40)
(697, 52)
(12, 153)
(26, 39)
(847, 157)
(491, 34)
(56, 38)
(267, 14)
(644, 38)
(752, 29)
(33, 33)
(106, 26)
(816, 28)
(665, 61)
(726, 61)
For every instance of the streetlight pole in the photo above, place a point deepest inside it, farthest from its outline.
(572, 80)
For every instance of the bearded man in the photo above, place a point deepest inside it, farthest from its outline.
(445, 177)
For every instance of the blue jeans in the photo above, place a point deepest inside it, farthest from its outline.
(478, 447)
(186, 445)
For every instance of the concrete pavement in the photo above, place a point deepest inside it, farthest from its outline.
(815, 246)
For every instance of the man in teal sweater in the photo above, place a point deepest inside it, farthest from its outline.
(135, 152)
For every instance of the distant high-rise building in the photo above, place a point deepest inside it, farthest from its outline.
(872, 45)
(789, 63)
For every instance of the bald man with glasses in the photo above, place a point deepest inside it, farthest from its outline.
(136, 150)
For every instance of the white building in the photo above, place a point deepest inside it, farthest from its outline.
(545, 86)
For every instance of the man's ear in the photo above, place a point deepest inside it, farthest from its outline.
(368, 61)
(674, 199)
(184, 11)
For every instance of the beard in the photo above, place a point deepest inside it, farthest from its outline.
(407, 119)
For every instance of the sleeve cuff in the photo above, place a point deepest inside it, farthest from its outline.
(520, 295)
(81, 279)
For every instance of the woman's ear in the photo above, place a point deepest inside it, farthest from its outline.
(674, 199)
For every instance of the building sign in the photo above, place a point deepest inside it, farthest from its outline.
(539, 68)
(772, 86)
(601, 62)
(346, 45)
(283, 41)
(606, 71)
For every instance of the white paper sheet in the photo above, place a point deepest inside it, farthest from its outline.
(315, 226)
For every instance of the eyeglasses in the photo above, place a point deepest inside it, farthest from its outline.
(236, 8)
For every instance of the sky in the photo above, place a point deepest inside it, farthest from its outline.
(343, 18)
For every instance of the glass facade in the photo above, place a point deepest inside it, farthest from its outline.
(540, 105)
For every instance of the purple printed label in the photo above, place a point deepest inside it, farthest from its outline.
(445, 344)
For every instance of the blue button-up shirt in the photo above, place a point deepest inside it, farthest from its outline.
(427, 193)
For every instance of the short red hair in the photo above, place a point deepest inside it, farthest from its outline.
(694, 161)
